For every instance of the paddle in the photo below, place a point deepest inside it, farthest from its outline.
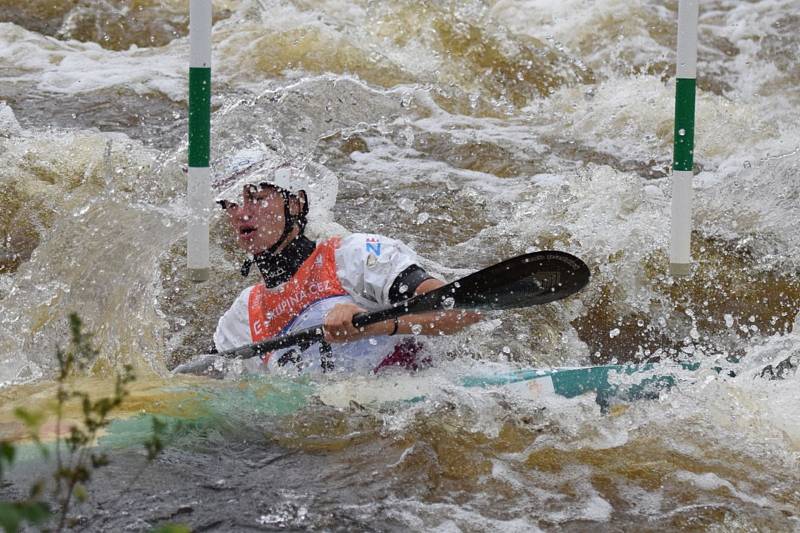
(530, 279)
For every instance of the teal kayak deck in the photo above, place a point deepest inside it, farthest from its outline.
(607, 381)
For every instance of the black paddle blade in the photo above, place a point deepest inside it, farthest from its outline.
(530, 279)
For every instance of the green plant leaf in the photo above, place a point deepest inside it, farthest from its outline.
(7, 452)
(15, 514)
(172, 528)
(80, 492)
(32, 419)
(99, 460)
(10, 518)
(37, 489)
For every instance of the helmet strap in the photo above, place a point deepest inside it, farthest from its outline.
(289, 220)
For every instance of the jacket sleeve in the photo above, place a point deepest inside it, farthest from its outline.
(233, 328)
(367, 265)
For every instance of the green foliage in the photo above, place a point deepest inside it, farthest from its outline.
(155, 444)
(33, 421)
(14, 514)
(75, 457)
(7, 453)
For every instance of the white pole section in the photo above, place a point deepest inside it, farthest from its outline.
(199, 184)
(683, 155)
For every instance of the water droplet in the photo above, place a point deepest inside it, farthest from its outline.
(403, 288)
(681, 132)
(373, 342)
(506, 350)
(640, 323)
(613, 333)
(407, 205)
(449, 302)
(729, 320)
(416, 329)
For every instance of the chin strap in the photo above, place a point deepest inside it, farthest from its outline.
(289, 219)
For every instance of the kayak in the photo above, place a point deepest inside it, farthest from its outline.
(199, 402)
(607, 384)
(211, 403)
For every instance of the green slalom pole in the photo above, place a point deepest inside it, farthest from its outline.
(683, 158)
(199, 183)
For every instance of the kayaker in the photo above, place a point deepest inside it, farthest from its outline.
(307, 283)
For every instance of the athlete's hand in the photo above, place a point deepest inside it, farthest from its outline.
(338, 325)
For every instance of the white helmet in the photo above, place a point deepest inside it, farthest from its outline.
(256, 166)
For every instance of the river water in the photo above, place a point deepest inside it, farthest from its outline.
(473, 131)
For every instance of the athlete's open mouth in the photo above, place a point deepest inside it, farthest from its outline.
(247, 230)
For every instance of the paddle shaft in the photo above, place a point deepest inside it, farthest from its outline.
(307, 337)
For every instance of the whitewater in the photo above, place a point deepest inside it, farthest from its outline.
(473, 131)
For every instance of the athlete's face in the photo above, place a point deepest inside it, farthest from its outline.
(258, 220)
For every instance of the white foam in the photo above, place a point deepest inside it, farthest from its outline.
(71, 67)
(8, 122)
(85, 195)
(548, 180)
(611, 122)
(622, 26)
(709, 481)
(447, 517)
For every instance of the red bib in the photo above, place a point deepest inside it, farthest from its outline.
(271, 310)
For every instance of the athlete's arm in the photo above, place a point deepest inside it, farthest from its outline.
(443, 322)
(378, 272)
(338, 325)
